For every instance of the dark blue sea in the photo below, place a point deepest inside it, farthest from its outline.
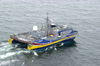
(18, 16)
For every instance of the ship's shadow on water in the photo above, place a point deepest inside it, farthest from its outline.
(38, 54)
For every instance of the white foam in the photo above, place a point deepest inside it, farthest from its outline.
(6, 55)
(35, 53)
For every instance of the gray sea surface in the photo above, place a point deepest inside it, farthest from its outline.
(18, 16)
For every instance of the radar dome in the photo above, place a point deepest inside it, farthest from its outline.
(35, 28)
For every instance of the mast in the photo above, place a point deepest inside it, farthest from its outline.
(48, 25)
(47, 20)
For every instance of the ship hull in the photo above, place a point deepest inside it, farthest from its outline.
(58, 44)
(65, 43)
(51, 45)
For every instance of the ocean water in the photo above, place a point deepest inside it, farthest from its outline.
(18, 16)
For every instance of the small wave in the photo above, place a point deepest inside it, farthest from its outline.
(4, 63)
(6, 55)
(5, 46)
(3, 43)
(9, 54)
(6, 50)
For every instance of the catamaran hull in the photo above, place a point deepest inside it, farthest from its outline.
(65, 42)
(57, 45)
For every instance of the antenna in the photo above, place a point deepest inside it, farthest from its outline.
(47, 24)
(47, 16)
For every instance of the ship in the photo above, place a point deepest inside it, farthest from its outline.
(50, 35)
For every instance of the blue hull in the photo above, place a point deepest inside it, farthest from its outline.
(65, 43)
